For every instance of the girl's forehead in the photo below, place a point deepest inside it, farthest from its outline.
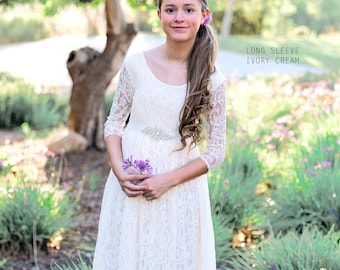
(180, 2)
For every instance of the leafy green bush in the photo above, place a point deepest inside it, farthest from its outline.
(5, 166)
(233, 187)
(18, 30)
(223, 241)
(323, 152)
(31, 211)
(19, 103)
(314, 197)
(311, 250)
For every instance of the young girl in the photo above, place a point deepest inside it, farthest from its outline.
(162, 220)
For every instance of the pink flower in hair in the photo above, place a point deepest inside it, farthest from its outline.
(207, 19)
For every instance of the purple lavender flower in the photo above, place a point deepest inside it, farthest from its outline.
(333, 212)
(312, 174)
(271, 266)
(141, 166)
(327, 163)
(127, 163)
(65, 185)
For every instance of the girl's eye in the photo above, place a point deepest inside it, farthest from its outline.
(169, 10)
(189, 10)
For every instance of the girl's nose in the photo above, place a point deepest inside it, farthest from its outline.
(179, 16)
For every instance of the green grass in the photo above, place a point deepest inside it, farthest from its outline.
(321, 52)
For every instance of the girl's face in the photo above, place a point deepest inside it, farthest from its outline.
(181, 19)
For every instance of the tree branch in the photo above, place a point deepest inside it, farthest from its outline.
(115, 22)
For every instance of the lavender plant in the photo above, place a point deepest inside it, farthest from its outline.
(21, 103)
(233, 186)
(309, 250)
(32, 212)
(314, 197)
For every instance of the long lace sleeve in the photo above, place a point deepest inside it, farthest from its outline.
(121, 105)
(216, 129)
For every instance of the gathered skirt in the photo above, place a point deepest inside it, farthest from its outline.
(174, 232)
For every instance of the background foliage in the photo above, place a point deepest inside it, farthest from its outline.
(250, 17)
(21, 102)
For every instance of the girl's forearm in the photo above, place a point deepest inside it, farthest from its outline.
(191, 170)
(114, 150)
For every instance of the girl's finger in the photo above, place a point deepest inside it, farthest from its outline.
(131, 193)
(133, 190)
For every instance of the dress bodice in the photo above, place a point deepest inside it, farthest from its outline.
(154, 108)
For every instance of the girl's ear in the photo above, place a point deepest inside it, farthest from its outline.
(159, 14)
(206, 14)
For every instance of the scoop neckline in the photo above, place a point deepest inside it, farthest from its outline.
(156, 78)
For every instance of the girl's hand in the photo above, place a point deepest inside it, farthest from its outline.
(130, 182)
(156, 186)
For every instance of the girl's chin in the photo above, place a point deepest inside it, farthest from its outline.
(180, 38)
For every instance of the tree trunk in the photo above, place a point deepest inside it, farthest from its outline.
(227, 19)
(92, 71)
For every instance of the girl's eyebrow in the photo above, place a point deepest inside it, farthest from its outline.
(185, 5)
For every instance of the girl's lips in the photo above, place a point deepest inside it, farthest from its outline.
(179, 28)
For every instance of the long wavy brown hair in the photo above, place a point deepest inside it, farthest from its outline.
(200, 67)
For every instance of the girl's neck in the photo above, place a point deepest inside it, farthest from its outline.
(178, 53)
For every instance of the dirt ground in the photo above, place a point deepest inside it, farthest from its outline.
(75, 168)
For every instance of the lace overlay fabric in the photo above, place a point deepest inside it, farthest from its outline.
(175, 231)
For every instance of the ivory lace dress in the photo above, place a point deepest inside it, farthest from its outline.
(175, 231)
